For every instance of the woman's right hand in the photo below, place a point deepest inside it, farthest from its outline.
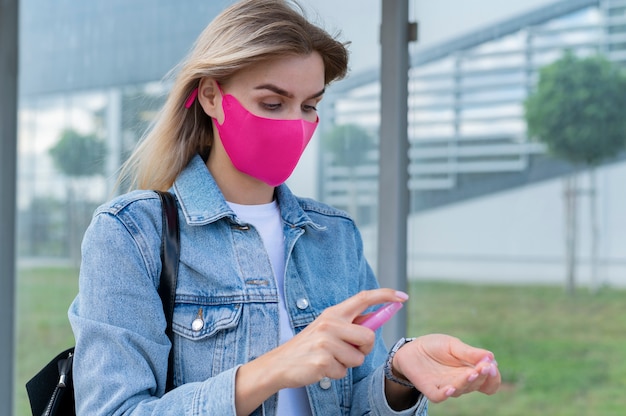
(327, 347)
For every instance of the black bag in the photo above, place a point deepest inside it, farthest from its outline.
(51, 391)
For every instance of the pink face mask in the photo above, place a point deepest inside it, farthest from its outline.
(264, 148)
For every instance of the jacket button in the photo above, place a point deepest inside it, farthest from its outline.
(198, 323)
(325, 383)
(302, 303)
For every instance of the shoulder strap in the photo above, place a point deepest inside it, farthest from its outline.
(170, 253)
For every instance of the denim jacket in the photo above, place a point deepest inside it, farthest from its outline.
(226, 285)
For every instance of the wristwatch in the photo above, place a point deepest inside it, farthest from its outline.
(388, 368)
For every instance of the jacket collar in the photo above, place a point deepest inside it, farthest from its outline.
(202, 201)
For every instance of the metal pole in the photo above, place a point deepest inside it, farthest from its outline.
(393, 202)
(8, 154)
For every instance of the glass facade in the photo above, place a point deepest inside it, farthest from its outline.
(61, 182)
(87, 71)
(471, 156)
(92, 77)
(487, 218)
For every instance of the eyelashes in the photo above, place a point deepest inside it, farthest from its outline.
(277, 106)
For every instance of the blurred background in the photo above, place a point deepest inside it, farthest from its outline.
(517, 165)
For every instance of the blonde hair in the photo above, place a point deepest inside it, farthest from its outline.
(245, 33)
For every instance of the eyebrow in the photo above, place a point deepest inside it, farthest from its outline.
(285, 93)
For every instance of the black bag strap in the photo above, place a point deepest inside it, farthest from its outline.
(170, 254)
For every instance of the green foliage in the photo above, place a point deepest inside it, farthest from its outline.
(78, 155)
(349, 144)
(578, 109)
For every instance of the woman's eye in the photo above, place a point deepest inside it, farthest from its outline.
(271, 106)
(308, 108)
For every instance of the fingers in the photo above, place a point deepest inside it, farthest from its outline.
(335, 334)
(437, 394)
(332, 343)
(441, 366)
(485, 381)
(492, 382)
(355, 305)
(349, 356)
(491, 385)
(350, 336)
(484, 377)
(318, 351)
(472, 356)
(351, 310)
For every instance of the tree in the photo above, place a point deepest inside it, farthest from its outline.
(578, 110)
(77, 156)
(349, 145)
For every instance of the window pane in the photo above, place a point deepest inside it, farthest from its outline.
(491, 205)
(489, 226)
(488, 259)
(91, 82)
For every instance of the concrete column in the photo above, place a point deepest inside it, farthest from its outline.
(393, 202)
(8, 155)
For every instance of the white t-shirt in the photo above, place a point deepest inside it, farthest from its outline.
(266, 219)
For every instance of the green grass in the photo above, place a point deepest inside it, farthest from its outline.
(559, 355)
(42, 328)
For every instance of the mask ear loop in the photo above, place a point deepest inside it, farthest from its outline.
(194, 94)
(219, 87)
(191, 98)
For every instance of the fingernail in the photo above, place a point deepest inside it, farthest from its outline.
(486, 370)
(493, 371)
(402, 295)
(487, 359)
(472, 377)
(450, 391)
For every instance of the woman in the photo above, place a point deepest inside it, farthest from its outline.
(271, 287)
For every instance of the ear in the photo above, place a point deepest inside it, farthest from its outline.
(210, 98)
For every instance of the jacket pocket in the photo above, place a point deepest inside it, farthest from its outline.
(196, 322)
(205, 337)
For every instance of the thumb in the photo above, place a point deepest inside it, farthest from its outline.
(472, 356)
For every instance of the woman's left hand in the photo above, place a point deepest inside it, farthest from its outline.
(441, 366)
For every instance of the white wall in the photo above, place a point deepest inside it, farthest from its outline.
(518, 236)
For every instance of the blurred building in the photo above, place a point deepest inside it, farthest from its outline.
(485, 199)
(92, 69)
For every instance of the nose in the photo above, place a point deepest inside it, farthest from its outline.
(295, 113)
(299, 113)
